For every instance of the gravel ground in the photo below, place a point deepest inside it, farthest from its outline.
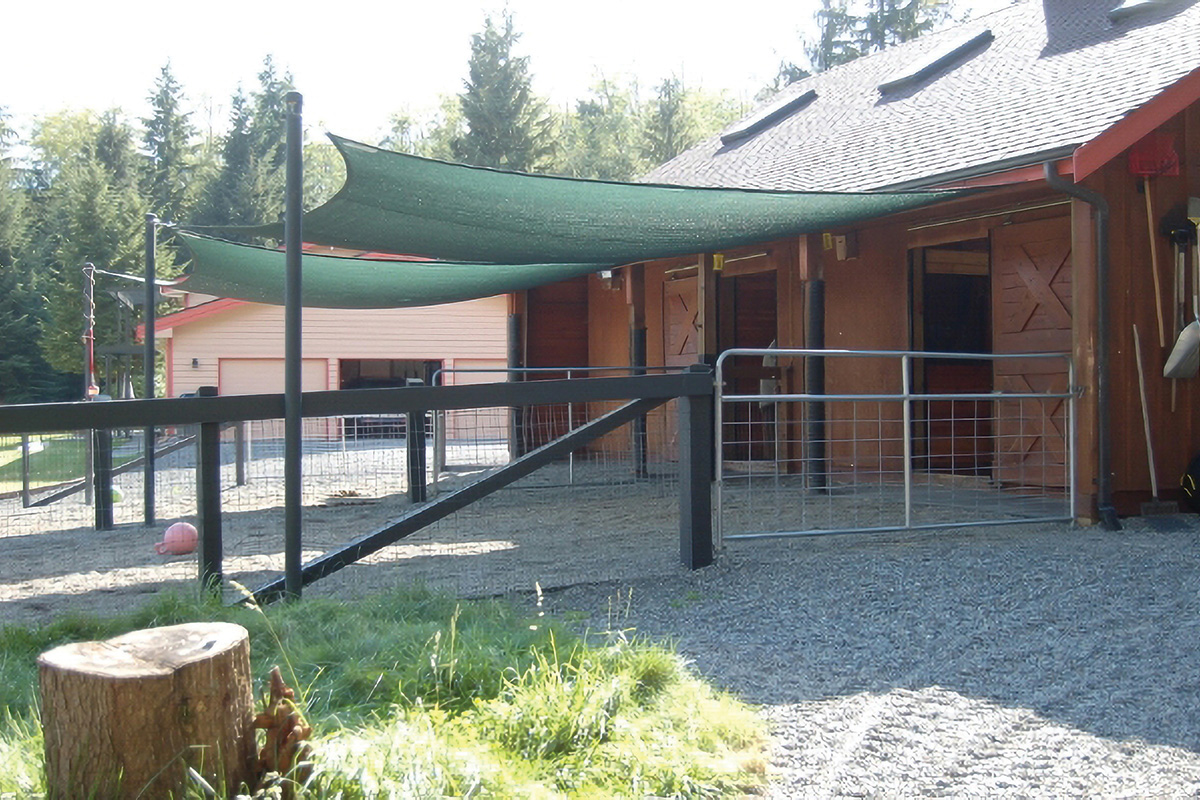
(1035, 661)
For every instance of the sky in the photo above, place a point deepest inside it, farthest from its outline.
(358, 63)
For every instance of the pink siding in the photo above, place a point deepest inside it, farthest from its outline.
(472, 330)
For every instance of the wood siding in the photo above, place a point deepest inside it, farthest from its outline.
(471, 330)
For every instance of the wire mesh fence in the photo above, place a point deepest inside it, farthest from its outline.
(608, 510)
(871, 453)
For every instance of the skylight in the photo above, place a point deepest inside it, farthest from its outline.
(767, 116)
(935, 60)
(1131, 7)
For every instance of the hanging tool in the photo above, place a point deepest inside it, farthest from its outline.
(1155, 506)
(1154, 155)
(1184, 360)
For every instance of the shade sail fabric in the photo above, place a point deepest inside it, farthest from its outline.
(397, 203)
(243, 272)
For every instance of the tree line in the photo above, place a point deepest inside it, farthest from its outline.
(84, 181)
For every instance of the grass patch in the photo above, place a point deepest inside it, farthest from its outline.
(415, 694)
(54, 459)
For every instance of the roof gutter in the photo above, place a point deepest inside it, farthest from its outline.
(979, 170)
(1105, 508)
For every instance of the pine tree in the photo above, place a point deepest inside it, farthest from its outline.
(507, 126)
(601, 136)
(168, 139)
(838, 37)
(93, 212)
(668, 129)
(249, 186)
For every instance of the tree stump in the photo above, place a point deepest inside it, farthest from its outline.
(124, 718)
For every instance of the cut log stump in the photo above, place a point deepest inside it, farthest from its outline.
(126, 717)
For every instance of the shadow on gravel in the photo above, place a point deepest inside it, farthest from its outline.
(1099, 631)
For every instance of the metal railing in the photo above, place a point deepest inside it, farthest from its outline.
(885, 456)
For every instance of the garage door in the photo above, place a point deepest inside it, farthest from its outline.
(265, 376)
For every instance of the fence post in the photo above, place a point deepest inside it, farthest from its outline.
(102, 471)
(239, 452)
(695, 476)
(25, 497)
(637, 358)
(414, 442)
(208, 498)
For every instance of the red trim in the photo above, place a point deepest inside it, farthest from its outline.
(1031, 174)
(192, 314)
(1124, 134)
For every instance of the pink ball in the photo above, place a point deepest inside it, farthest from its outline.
(179, 539)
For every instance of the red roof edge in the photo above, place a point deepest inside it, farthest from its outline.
(191, 315)
(1120, 137)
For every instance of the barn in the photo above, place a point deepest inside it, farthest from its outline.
(1073, 129)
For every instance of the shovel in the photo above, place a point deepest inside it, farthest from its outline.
(1184, 361)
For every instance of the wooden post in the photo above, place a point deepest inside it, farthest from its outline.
(126, 717)
(635, 296)
(706, 309)
(208, 499)
(695, 477)
(414, 441)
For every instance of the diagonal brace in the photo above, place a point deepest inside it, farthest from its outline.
(419, 518)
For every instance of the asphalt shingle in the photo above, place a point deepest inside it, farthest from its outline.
(1057, 74)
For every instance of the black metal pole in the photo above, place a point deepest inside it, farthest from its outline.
(637, 360)
(148, 317)
(89, 354)
(292, 421)
(208, 499)
(516, 420)
(814, 383)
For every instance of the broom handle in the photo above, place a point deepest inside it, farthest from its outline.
(1162, 336)
(1137, 353)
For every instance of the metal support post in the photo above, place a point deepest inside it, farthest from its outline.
(906, 390)
(695, 477)
(637, 360)
(148, 318)
(239, 452)
(516, 421)
(414, 440)
(208, 498)
(293, 430)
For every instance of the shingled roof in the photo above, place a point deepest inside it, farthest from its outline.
(1056, 74)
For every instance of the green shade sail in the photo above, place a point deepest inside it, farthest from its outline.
(495, 232)
(397, 203)
(243, 272)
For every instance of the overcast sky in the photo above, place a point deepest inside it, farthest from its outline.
(358, 62)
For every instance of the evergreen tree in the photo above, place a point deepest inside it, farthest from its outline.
(668, 129)
(93, 212)
(507, 126)
(838, 39)
(891, 22)
(168, 139)
(601, 136)
(249, 185)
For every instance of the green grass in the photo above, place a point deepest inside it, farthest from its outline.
(413, 694)
(60, 460)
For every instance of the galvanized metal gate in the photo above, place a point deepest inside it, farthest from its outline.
(877, 452)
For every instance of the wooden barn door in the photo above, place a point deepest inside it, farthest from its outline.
(1031, 305)
(680, 335)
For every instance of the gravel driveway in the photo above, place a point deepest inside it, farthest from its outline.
(1018, 662)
